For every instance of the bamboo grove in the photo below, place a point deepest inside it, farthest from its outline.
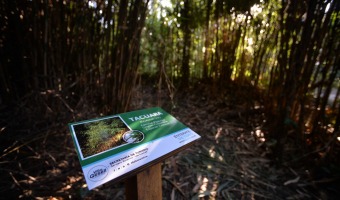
(93, 52)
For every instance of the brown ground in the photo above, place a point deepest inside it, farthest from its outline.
(38, 159)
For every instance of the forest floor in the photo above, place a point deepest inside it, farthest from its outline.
(38, 159)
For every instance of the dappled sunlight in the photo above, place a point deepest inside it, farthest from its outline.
(255, 10)
(259, 135)
(206, 187)
(231, 167)
(214, 154)
(71, 180)
(92, 4)
(329, 128)
(218, 134)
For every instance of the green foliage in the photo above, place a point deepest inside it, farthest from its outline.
(71, 51)
(101, 132)
(288, 50)
(96, 133)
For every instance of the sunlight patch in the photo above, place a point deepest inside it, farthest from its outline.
(259, 134)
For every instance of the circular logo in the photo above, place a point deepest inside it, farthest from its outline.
(97, 173)
(133, 136)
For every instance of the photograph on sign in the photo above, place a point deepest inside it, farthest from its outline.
(111, 147)
(98, 136)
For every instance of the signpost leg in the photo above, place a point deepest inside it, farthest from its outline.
(147, 185)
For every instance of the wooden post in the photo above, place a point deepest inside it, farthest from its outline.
(147, 185)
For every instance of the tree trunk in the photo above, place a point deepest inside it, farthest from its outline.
(207, 41)
(185, 69)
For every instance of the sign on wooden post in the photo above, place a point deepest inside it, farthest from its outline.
(129, 146)
(146, 185)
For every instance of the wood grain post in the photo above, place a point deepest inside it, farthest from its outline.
(147, 185)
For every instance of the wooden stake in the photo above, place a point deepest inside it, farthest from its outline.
(147, 185)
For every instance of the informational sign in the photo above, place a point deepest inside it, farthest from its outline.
(113, 147)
